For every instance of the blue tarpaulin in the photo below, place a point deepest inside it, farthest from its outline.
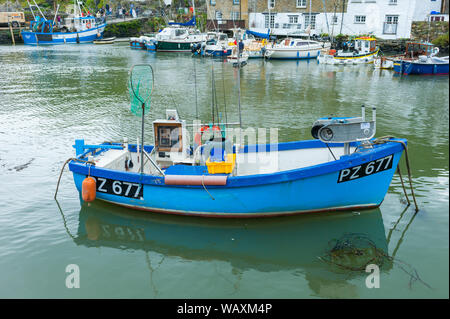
(259, 35)
(187, 24)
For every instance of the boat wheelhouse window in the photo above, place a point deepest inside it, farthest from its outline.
(169, 136)
(179, 32)
(366, 44)
(301, 43)
(223, 37)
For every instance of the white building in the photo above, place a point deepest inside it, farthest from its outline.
(387, 19)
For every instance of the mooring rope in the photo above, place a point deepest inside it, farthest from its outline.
(62, 170)
(386, 139)
(203, 177)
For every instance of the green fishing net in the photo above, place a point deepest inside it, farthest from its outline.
(140, 87)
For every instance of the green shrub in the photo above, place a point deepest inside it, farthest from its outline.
(441, 41)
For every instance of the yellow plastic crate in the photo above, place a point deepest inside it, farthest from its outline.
(221, 167)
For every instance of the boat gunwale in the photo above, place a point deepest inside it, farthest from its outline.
(344, 162)
(60, 33)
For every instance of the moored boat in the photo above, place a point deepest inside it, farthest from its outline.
(343, 168)
(105, 41)
(412, 52)
(362, 50)
(216, 44)
(424, 65)
(238, 59)
(79, 28)
(294, 48)
(142, 42)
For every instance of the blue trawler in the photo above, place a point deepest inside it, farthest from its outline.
(420, 59)
(80, 28)
(343, 168)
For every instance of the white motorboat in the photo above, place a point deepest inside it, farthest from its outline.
(291, 48)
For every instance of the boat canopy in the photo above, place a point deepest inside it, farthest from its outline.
(258, 34)
(366, 39)
(191, 22)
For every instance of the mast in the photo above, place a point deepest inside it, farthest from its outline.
(56, 12)
(43, 16)
(193, 11)
(342, 16)
(32, 12)
(326, 17)
(239, 85)
(309, 33)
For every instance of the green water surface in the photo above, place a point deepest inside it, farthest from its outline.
(49, 96)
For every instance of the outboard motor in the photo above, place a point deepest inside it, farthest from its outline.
(345, 129)
(196, 47)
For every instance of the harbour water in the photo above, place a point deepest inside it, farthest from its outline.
(49, 96)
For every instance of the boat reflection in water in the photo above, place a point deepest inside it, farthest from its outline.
(295, 243)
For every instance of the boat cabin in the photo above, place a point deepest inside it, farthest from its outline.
(295, 42)
(215, 37)
(415, 49)
(365, 45)
(358, 46)
(171, 140)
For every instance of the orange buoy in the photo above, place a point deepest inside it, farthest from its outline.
(88, 189)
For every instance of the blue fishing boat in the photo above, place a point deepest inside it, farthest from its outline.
(424, 65)
(343, 168)
(80, 28)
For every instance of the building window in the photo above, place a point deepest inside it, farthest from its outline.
(313, 21)
(301, 3)
(437, 18)
(235, 1)
(293, 19)
(235, 15)
(393, 2)
(360, 19)
(392, 19)
(390, 25)
(270, 19)
(213, 2)
(271, 4)
(218, 15)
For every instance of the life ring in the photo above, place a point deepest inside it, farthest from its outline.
(88, 24)
(205, 128)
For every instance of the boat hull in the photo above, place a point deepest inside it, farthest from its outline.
(290, 54)
(40, 38)
(359, 59)
(407, 67)
(138, 45)
(312, 189)
(173, 46)
(218, 53)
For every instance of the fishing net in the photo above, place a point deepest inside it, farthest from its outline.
(140, 87)
(354, 252)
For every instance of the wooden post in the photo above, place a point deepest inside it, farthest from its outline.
(12, 33)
